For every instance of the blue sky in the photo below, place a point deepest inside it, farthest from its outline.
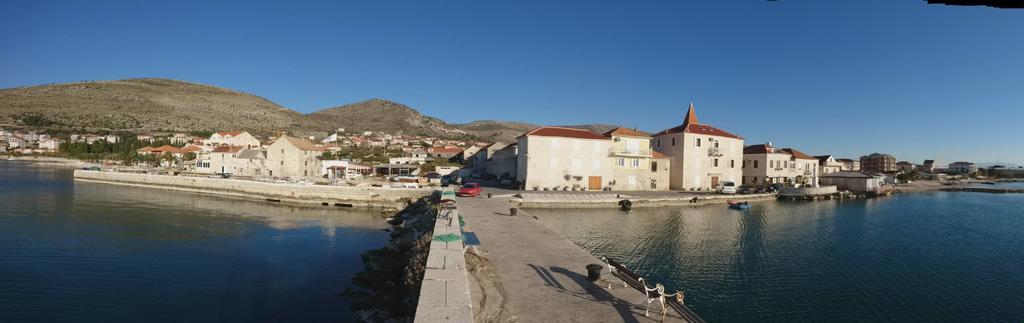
(841, 77)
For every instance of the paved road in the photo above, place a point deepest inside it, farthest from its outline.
(544, 274)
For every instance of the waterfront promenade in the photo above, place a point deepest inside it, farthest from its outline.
(540, 276)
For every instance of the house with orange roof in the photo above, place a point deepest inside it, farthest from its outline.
(635, 166)
(765, 164)
(175, 151)
(233, 138)
(702, 156)
(293, 157)
(560, 158)
(220, 160)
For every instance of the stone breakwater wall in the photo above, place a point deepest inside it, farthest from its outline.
(372, 197)
(444, 295)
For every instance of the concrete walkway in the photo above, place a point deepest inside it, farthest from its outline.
(543, 274)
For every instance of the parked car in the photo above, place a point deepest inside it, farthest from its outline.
(745, 190)
(727, 187)
(774, 187)
(470, 190)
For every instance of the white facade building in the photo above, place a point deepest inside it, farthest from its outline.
(702, 156)
(557, 158)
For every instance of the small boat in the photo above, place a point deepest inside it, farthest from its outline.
(738, 205)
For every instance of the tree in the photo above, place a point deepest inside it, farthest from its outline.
(908, 176)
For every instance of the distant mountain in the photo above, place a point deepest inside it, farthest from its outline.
(143, 105)
(384, 115)
(507, 131)
(157, 105)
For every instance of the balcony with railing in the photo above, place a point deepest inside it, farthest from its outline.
(629, 152)
(714, 152)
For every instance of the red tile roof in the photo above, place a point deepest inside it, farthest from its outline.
(699, 129)
(161, 149)
(229, 133)
(798, 154)
(658, 155)
(756, 149)
(190, 149)
(620, 131)
(691, 116)
(690, 125)
(564, 132)
(227, 149)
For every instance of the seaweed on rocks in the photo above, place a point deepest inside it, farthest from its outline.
(387, 290)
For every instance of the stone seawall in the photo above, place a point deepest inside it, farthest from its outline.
(584, 201)
(372, 197)
(807, 191)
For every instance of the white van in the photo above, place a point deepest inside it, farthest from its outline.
(727, 187)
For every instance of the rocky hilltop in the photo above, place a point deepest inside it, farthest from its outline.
(384, 115)
(163, 105)
(144, 105)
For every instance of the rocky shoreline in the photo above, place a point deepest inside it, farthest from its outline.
(388, 288)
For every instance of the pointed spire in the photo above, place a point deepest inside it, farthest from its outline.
(691, 116)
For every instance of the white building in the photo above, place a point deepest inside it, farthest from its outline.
(220, 160)
(251, 163)
(503, 163)
(561, 158)
(828, 164)
(293, 157)
(635, 166)
(233, 138)
(765, 164)
(702, 156)
(962, 167)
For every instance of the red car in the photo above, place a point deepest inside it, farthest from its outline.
(470, 190)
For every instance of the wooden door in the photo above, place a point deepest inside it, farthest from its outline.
(595, 183)
(714, 182)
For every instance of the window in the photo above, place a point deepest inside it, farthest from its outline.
(732, 163)
(716, 162)
(621, 162)
(282, 163)
(698, 142)
(673, 141)
(654, 167)
(658, 143)
(716, 144)
(307, 163)
(755, 180)
(282, 151)
(755, 166)
(636, 163)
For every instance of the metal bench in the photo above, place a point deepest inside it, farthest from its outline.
(657, 293)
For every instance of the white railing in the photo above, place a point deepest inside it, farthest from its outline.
(629, 152)
(714, 152)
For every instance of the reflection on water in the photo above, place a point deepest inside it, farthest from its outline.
(94, 252)
(916, 257)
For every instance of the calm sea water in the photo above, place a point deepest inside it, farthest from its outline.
(1001, 185)
(79, 252)
(928, 257)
